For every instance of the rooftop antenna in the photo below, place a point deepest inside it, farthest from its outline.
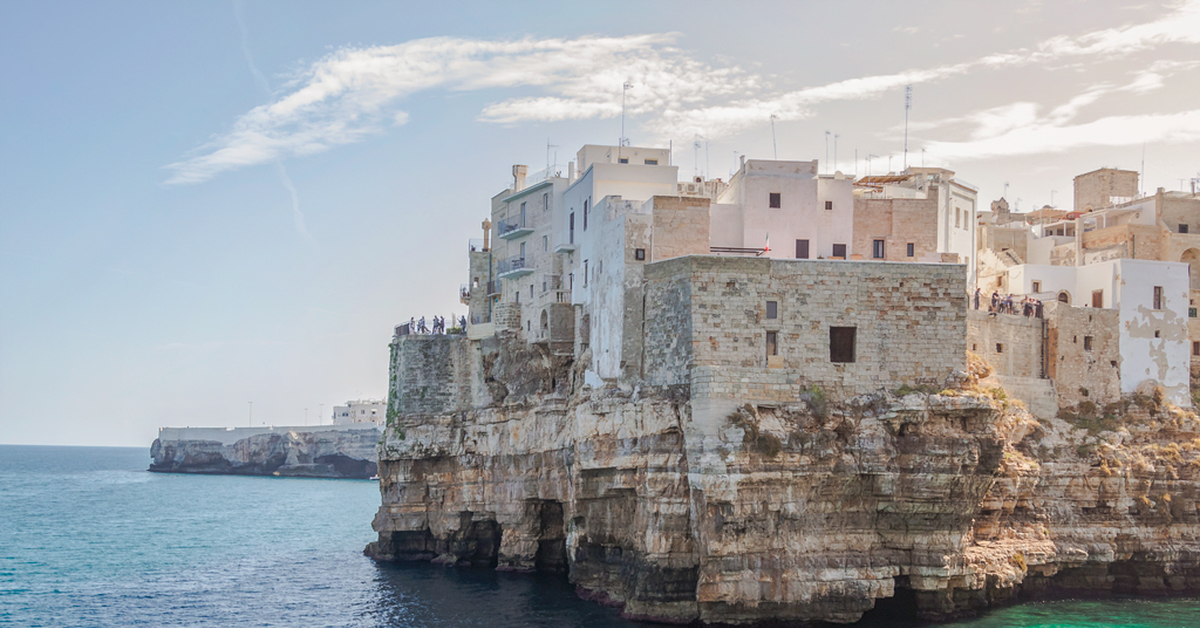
(856, 163)
(774, 146)
(922, 157)
(1005, 190)
(907, 106)
(869, 156)
(624, 88)
(696, 155)
(550, 172)
(835, 161)
(827, 134)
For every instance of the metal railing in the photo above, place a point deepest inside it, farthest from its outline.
(508, 225)
(511, 264)
(493, 287)
(475, 245)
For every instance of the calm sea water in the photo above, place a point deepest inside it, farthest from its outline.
(89, 538)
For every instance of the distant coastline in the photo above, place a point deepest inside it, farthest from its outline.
(316, 451)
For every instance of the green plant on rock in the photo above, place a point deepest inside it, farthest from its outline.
(815, 398)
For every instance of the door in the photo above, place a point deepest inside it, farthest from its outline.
(801, 249)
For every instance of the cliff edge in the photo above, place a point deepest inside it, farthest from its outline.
(954, 498)
(343, 451)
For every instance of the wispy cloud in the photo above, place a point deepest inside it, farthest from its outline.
(354, 93)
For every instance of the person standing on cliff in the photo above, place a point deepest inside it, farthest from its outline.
(977, 298)
(995, 302)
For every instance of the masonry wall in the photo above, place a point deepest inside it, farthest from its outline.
(1093, 190)
(432, 374)
(898, 222)
(909, 322)
(681, 226)
(1083, 369)
(1010, 344)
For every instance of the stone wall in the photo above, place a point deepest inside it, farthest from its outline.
(898, 222)
(1094, 190)
(1084, 348)
(909, 319)
(681, 227)
(1012, 345)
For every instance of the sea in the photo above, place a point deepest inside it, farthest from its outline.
(89, 538)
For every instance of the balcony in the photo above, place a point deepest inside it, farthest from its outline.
(511, 228)
(514, 267)
(493, 288)
(464, 294)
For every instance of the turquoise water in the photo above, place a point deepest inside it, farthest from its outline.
(89, 538)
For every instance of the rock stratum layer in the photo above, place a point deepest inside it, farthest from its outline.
(812, 511)
(329, 453)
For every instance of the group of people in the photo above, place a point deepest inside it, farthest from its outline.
(1020, 306)
(418, 326)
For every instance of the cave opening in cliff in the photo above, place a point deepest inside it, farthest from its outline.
(552, 539)
(897, 611)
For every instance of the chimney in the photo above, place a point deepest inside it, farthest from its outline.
(519, 177)
(571, 171)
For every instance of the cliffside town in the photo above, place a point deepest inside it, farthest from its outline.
(778, 397)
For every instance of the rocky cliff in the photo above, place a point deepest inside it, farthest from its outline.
(292, 452)
(811, 511)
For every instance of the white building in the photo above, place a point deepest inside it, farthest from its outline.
(361, 411)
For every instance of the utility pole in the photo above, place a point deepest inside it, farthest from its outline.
(774, 146)
(907, 106)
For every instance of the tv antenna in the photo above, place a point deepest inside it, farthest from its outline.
(1005, 196)
(869, 156)
(696, 155)
(624, 88)
(835, 161)
(907, 106)
(549, 172)
(827, 134)
(774, 146)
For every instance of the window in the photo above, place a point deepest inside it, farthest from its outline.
(530, 291)
(1183, 228)
(1097, 298)
(585, 213)
(522, 214)
(772, 309)
(522, 251)
(651, 162)
(571, 230)
(801, 249)
(999, 348)
(776, 200)
(839, 251)
(828, 204)
(1196, 347)
(570, 281)
(877, 249)
(841, 344)
(517, 296)
(957, 217)
(1157, 333)
(545, 201)
(1158, 297)
(912, 250)
(1191, 312)
(1087, 343)
(639, 254)
(772, 343)
(545, 243)
(585, 273)
(1037, 286)
(623, 160)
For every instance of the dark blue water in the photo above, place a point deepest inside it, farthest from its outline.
(88, 538)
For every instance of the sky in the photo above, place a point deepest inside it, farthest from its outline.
(215, 213)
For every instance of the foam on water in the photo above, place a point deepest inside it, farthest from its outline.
(88, 538)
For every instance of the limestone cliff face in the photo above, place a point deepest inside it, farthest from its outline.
(342, 453)
(807, 511)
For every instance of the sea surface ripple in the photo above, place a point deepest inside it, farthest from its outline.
(89, 538)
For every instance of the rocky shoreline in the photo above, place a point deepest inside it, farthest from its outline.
(344, 452)
(958, 500)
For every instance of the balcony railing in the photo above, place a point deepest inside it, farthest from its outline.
(512, 227)
(493, 288)
(514, 266)
(464, 294)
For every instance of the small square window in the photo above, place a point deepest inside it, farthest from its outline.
(877, 249)
(772, 343)
(639, 254)
(1037, 286)
(839, 251)
(1087, 343)
(828, 204)
(1195, 347)
(1158, 297)
(1183, 228)
(776, 200)
(999, 348)
(772, 309)
(841, 344)
(651, 162)
(623, 160)
(1157, 333)
(912, 250)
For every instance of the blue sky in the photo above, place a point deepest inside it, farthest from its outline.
(180, 236)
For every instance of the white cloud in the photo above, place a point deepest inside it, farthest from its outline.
(354, 93)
